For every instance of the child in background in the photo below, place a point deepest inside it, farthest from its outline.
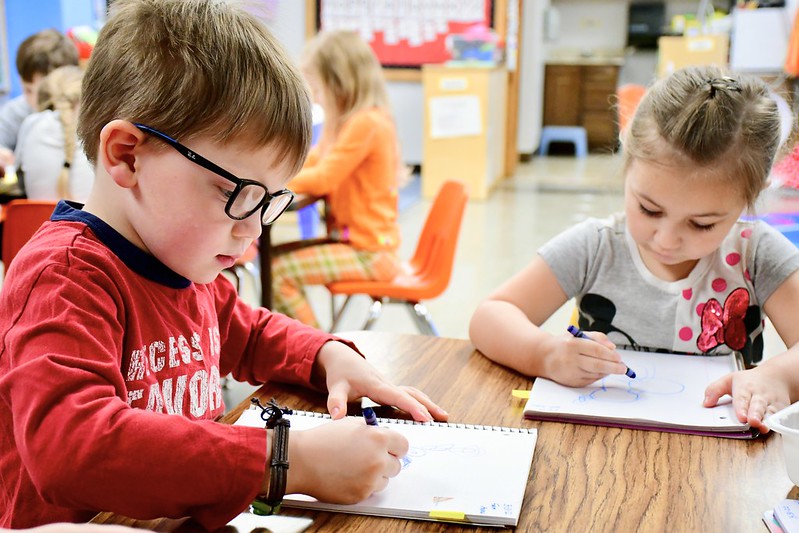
(677, 271)
(37, 56)
(115, 323)
(356, 166)
(51, 164)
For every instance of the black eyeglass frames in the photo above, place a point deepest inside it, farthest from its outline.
(249, 195)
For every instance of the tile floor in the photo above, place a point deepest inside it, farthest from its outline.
(498, 237)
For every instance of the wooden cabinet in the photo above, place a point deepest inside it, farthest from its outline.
(464, 127)
(583, 95)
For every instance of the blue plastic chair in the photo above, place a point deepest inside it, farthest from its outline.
(572, 134)
(308, 217)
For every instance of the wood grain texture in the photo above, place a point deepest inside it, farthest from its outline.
(584, 478)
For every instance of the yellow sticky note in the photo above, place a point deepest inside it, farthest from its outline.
(523, 394)
(447, 515)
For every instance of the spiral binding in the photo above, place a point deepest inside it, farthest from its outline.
(400, 421)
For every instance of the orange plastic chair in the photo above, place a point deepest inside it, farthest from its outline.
(629, 96)
(22, 219)
(426, 275)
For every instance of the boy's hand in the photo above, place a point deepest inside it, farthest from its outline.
(348, 377)
(344, 461)
(577, 362)
(755, 395)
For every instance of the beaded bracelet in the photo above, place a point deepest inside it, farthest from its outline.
(272, 414)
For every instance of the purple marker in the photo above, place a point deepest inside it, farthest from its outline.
(577, 332)
(370, 416)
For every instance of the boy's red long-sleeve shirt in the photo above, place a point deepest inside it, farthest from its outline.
(110, 368)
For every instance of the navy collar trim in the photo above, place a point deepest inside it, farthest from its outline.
(136, 259)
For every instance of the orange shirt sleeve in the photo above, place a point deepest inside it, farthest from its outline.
(320, 176)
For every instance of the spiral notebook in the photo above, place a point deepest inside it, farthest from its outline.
(453, 472)
(666, 395)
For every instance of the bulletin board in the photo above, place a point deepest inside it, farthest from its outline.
(404, 33)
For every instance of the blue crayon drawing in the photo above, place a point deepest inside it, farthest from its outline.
(447, 448)
(621, 389)
(494, 508)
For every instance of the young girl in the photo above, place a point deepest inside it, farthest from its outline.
(51, 162)
(356, 166)
(677, 271)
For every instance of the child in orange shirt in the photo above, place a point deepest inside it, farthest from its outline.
(356, 166)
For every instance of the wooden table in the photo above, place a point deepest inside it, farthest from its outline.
(584, 478)
(265, 247)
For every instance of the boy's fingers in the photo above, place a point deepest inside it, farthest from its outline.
(717, 389)
(437, 412)
(403, 400)
(337, 400)
(398, 446)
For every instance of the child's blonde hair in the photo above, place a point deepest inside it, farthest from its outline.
(195, 68)
(705, 117)
(351, 74)
(43, 52)
(60, 91)
(349, 71)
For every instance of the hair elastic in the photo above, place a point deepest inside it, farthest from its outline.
(724, 83)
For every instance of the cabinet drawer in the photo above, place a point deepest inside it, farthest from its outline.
(562, 95)
(607, 74)
(600, 126)
(598, 98)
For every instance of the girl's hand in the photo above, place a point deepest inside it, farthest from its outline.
(577, 362)
(755, 395)
(344, 461)
(348, 377)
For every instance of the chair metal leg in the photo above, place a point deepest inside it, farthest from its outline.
(337, 315)
(374, 313)
(255, 272)
(332, 311)
(237, 278)
(422, 319)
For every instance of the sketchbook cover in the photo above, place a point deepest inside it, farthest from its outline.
(453, 472)
(666, 395)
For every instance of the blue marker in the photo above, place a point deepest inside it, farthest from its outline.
(577, 332)
(370, 416)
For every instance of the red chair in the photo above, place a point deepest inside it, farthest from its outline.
(426, 275)
(21, 220)
(629, 96)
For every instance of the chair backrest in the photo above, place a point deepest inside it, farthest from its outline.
(629, 96)
(435, 251)
(21, 220)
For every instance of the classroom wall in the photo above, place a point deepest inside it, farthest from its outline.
(531, 82)
(407, 98)
(286, 20)
(587, 25)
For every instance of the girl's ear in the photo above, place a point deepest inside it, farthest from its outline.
(120, 145)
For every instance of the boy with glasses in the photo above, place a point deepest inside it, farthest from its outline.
(115, 323)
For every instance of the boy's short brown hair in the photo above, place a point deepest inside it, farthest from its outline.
(195, 68)
(44, 52)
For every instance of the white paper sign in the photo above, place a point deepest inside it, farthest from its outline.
(455, 116)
